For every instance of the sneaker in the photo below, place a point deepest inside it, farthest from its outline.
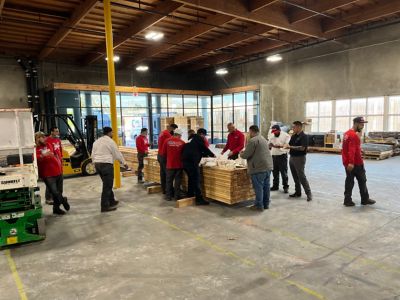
(274, 188)
(349, 203)
(58, 211)
(66, 204)
(49, 201)
(309, 197)
(107, 209)
(368, 202)
(114, 203)
(286, 190)
(295, 195)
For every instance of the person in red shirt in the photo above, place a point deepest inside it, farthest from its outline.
(50, 170)
(235, 142)
(166, 134)
(172, 149)
(354, 164)
(54, 140)
(142, 146)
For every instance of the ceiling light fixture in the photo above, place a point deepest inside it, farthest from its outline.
(115, 59)
(154, 35)
(274, 58)
(221, 71)
(142, 68)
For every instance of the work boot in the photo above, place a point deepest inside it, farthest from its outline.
(295, 195)
(274, 188)
(256, 208)
(107, 209)
(114, 203)
(309, 197)
(202, 202)
(368, 202)
(58, 211)
(66, 204)
(349, 203)
(286, 190)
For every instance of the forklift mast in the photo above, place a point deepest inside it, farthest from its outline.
(91, 131)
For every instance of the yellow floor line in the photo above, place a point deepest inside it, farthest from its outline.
(15, 275)
(229, 253)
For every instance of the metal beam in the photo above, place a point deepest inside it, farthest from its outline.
(144, 22)
(257, 4)
(372, 12)
(193, 31)
(220, 43)
(78, 15)
(267, 16)
(306, 12)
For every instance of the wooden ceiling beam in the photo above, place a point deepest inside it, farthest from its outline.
(219, 43)
(77, 16)
(2, 5)
(269, 16)
(373, 12)
(144, 22)
(298, 14)
(193, 31)
(258, 4)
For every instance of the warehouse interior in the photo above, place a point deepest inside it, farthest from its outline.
(205, 64)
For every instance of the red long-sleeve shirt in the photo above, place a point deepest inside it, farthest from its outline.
(48, 165)
(172, 149)
(235, 142)
(56, 143)
(161, 140)
(142, 144)
(351, 149)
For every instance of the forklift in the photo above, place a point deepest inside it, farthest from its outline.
(76, 157)
(21, 215)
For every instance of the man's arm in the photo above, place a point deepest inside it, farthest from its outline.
(226, 146)
(241, 144)
(117, 155)
(249, 151)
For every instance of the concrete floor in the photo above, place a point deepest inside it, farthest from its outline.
(149, 250)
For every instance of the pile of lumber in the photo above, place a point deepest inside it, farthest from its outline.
(130, 155)
(377, 151)
(151, 170)
(228, 186)
(386, 138)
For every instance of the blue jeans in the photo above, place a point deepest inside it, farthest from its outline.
(261, 188)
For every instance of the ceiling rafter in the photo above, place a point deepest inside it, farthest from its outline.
(143, 23)
(2, 5)
(77, 16)
(267, 16)
(193, 31)
(258, 4)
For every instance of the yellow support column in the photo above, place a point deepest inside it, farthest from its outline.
(111, 82)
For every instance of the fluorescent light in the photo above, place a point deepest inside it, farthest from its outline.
(142, 68)
(115, 59)
(274, 58)
(222, 71)
(154, 35)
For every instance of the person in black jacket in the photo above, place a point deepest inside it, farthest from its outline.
(192, 153)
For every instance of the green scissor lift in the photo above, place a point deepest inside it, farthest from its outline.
(21, 217)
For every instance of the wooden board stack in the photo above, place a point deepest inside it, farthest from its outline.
(151, 169)
(130, 155)
(165, 122)
(228, 186)
(196, 123)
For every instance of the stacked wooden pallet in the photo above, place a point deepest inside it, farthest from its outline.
(196, 123)
(130, 155)
(228, 186)
(377, 151)
(165, 122)
(151, 169)
(385, 138)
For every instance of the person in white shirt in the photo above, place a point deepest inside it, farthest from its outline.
(277, 140)
(105, 152)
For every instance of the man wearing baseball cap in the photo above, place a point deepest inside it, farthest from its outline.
(354, 164)
(277, 140)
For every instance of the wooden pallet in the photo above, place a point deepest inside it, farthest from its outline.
(325, 150)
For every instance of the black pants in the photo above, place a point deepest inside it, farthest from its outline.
(60, 188)
(280, 166)
(140, 157)
(359, 173)
(106, 172)
(173, 183)
(194, 188)
(163, 172)
(297, 166)
(233, 157)
(52, 185)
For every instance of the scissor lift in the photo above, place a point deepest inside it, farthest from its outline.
(21, 217)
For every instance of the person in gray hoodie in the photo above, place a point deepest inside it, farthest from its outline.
(259, 166)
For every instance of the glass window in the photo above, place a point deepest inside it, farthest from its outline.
(325, 124)
(204, 102)
(325, 108)
(206, 114)
(375, 123)
(252, 116)
(90, 99)
(218, 125)
(239, 99)
(314, 124)
(94, 111)
(133, 120)
(159, 100)
(175, 105)
(240, 118)
(217, 101)
(190, 112)
(394, 105)
(227, 100)
(342, 107)
(252, 97)
(189, 101)
(342, 124)
(105, 99)
(358, 107)
(311, 109)
(394, 123)
(228, 116)
(67, 98)
(376, 106)
(130, 100)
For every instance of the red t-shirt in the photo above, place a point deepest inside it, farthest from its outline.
(235, 142)
(56, 143)
(48, 165)
(161, 140)
(142, 144)
(351, 149)
(172, 149)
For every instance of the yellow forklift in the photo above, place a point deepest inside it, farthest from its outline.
(76, 154)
